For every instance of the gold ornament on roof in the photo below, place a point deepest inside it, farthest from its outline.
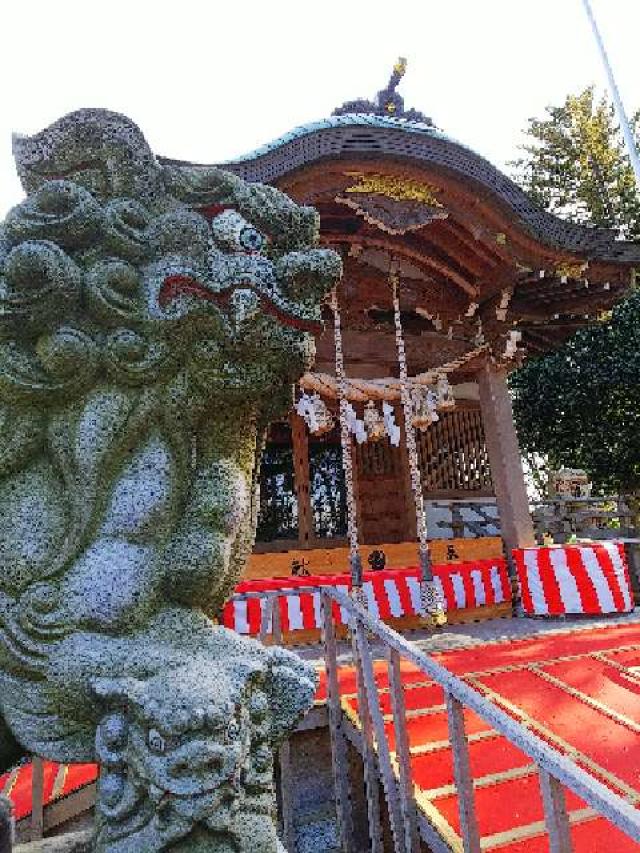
(395, 187)
(571, 269)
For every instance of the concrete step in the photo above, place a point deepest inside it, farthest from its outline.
(313, 802)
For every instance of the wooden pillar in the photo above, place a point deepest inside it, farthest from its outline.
(506, 462)
(300, 449)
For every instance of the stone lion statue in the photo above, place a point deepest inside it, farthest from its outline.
(152, 321)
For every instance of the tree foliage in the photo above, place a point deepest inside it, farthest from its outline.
(575, 165)
(580, 406)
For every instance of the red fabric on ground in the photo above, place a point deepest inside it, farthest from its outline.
(434, 727)
(544, 647)
(592, 836)
(624, 657)
(492, 755)
(609, 745)
(615, 748)
(503, 806)
(79, 775)
(599, 680)
(416, 698)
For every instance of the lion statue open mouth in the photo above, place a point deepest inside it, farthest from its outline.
(152, 321)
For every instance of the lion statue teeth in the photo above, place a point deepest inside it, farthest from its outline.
(152, 321)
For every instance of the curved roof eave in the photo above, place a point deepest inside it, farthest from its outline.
(379, 136)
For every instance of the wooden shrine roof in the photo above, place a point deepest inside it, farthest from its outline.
(479, 261)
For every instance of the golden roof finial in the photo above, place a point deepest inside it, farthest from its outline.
(388, 102)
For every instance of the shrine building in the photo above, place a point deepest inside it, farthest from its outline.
(485, 279)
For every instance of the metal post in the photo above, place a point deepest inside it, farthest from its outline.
(583, 784)
(462, 775)
(37, 798)
(617, 100)
(384, 758)
(555, 813)
(277, 621)
(266, 618)
(370, 773)
(403, 754)
(286, 796)
(338, 741)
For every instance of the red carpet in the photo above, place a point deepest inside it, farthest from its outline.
(577, 690)
(59, 781)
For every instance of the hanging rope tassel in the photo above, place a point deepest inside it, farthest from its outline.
(347, 460)
(431, 600)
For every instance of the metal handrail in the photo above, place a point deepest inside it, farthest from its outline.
(555, 769)
(274, 593)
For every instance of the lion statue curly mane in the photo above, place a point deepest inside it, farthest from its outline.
(152, 320)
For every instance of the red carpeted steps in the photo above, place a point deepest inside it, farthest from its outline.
(578, 690)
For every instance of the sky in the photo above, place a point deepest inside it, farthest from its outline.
(209, 80)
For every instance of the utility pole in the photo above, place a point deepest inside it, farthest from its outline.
(622, 116)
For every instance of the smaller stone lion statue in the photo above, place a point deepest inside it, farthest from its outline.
(153, 318)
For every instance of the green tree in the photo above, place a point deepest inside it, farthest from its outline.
(580, 406)
(575, 165)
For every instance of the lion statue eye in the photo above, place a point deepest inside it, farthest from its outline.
(251, 239)
(232, 232)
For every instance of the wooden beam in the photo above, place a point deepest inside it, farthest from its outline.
(477, 247)
(378, 347)
(439, 246)
(404, 249)
(300, 449)
(506, 461)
